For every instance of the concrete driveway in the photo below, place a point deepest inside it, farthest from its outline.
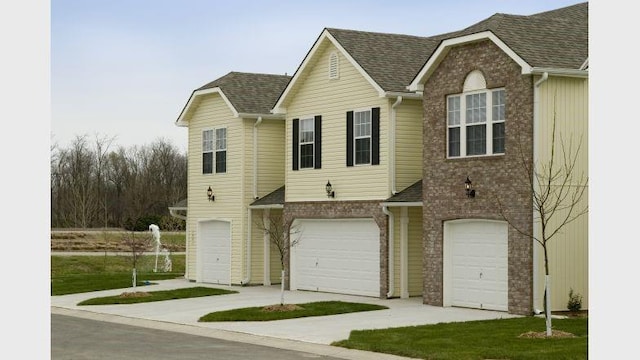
(182, 315)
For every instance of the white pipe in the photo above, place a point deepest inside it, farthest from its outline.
(536, 136)
(255, 157)
(247, 279)
(392, 145)
(390, 251)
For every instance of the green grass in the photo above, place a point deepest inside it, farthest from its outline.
(492, 339)
(78, 274)
(320, 308)
(158, 296)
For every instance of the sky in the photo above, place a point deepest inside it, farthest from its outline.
(125, 69)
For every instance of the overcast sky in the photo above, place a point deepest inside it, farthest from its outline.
(126, 68)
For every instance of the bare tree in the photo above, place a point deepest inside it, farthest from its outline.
(273, 225)
(137, 244)
(557, 191)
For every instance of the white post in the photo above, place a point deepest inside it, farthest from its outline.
(547, 299)
(134, 278)
(282, 287)
(155, 268)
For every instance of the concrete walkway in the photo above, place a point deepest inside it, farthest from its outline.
(312, 334)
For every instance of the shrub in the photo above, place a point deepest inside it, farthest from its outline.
(575, 301)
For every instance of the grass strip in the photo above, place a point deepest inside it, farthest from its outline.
(491, 339)
(143, 297)
(80, 283)
(261, 313)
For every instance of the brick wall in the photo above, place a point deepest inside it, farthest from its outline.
(340, 210)
(501, 176)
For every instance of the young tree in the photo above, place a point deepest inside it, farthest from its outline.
(272, 223)
(137, 245)
(557, 191)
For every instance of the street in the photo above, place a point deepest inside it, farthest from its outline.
(78, 339)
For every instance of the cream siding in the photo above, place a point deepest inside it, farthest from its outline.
(568, 250)
(408, 143)
(318, 95)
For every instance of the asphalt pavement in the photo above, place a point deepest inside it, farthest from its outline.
(310, 335)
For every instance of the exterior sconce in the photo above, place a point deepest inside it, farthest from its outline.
(330, 192)
(210, 194)
(471, 193)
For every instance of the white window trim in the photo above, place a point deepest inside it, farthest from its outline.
(370, 136)
(463, 123)
(214, 149)
(300, 142)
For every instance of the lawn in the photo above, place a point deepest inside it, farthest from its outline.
(142, 296)
(491, 339)
(291, 311)
(78, 274)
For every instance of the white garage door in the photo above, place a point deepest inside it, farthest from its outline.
(339, 256)
(476, 258)
(214, 250)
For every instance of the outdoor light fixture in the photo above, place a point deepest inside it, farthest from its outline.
(210, 194)
(467, 185)
(330, 192)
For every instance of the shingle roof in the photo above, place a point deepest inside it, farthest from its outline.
(275, 197)
(411, 194)
(250, 93)
(554, 39)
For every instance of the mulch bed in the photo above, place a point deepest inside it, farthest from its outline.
(135, 294)
(543, 334)
(282, 308)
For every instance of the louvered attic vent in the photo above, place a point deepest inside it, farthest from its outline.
(333, 66)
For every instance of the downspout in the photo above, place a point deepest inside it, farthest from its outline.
(390, 251)
(247, 279)
(392, 145)
(536, 135)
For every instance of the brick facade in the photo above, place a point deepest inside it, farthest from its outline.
(340, 210)
(500, 176)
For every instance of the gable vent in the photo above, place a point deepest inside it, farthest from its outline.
(333, 66)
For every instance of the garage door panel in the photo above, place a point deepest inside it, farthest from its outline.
(215, 248)
(339, 256)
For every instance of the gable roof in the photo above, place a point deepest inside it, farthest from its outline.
(556, 39)
(412, 194)
(274, 199)
(246, 94)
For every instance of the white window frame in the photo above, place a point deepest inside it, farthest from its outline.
(211, 145)
(220, 147)
(463, 123)
(356, 137)
(301, 142)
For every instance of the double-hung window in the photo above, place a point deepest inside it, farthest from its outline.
(363, 137)
(475, 123)
(307, 143)
(214, 142)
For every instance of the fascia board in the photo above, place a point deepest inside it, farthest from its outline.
(401, 204)
(278, 108)
(181, 119)
(273, 206)
(418, 82)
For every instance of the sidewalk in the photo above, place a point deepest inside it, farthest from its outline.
(312, 334)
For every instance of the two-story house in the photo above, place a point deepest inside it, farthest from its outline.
(379, 134)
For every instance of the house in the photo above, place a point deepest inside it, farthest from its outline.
(376, 137)
(234, 157)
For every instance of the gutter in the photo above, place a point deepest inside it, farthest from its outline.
(536, 135)
(558, 72)
(390, 232)
(392, 145)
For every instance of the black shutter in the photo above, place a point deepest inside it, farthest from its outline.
(294, 145)
(317, 142)
(349, 138)
(375, 136)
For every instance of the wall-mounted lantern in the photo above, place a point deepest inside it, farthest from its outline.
(210, 194)
(470, 191)
(329, 189)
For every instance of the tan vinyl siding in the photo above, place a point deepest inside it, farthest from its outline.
(408, 143)
(331, 99)
(568, 250)
(271, 145)
(415, 251)
(212, 113)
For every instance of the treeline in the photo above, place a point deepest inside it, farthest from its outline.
(95, 183)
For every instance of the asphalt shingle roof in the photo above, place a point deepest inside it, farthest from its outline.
(411, 194)
(250, 93)
(275, 197)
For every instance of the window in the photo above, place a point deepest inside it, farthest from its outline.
(220, 142)
(473, 127)
(363, 137)
(307, 146)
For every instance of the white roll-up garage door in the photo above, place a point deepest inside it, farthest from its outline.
(214, 252)
(476, 264)
(339, 256)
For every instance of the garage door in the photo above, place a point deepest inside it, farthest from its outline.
(339, 256)
(214, 250)
(476, 257)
